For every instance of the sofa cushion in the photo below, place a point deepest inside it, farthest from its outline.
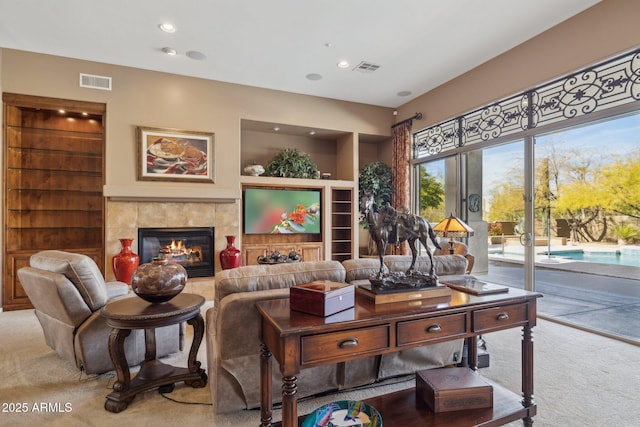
(363, 268)
(80, 269)
(264, 277)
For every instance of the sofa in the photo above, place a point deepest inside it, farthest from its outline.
(67, 291)
(233, 345)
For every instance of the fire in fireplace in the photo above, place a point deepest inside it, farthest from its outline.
(191, 247)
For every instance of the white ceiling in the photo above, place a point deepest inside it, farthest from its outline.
(275, 44)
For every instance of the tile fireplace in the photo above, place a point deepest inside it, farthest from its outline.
(191, 247)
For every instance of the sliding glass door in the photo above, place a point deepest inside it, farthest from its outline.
(558, 213)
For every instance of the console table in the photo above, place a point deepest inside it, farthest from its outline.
(298, 341)
(132, 312)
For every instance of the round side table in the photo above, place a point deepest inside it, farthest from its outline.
(128, 313)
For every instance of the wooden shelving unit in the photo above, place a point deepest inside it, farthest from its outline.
(340, 153)
(342, 223)
(53, 175)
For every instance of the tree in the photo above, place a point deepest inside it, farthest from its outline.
(431, 196)
(619, 186)
(505, 198)
(576, 173)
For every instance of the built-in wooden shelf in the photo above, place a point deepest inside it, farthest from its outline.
(53, 175)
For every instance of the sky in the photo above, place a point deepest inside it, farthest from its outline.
(619, 136)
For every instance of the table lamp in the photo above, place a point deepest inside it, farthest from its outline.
(452, 227)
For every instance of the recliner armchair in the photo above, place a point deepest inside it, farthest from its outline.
(67, 291)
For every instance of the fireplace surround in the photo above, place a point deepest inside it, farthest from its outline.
(191, 247)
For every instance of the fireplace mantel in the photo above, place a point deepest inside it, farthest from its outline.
(167, 193)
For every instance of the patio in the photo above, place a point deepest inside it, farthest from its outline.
(602, 298)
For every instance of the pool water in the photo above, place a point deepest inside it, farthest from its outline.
(632, 258)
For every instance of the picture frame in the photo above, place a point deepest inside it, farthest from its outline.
(174, 155)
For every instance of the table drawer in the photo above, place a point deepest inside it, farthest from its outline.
(424, 330)
(499, 317)
(337, 345)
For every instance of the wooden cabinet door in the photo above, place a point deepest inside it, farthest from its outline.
(250, 253)
(311, 251)
(13, 294)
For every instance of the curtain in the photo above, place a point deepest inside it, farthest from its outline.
(400, 159)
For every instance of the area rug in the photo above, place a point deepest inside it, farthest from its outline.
(581, 379)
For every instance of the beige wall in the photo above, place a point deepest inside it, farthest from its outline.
(153, 99)
(605, 30)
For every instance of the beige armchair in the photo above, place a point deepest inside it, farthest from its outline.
(67, 291)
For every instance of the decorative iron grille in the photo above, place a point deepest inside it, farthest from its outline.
(609, 84)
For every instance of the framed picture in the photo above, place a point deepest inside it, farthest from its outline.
(174, 155)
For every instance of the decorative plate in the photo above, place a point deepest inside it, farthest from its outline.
(344, 413)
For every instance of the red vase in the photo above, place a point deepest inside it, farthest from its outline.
(230, 256)
(125, 263)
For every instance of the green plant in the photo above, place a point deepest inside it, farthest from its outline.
(377, 178)
(292, 163)
(626, 232)
(495, 229)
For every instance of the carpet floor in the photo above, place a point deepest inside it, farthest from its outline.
(581, 379)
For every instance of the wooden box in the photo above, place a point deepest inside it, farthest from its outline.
(453, 389)
(322, 297)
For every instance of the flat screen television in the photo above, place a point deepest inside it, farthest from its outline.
(282, 211)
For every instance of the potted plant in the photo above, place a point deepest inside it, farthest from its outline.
(625, 233)
(292, 163)
(495, 233)
(378, 178)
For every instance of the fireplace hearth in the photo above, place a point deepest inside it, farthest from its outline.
(191, 247)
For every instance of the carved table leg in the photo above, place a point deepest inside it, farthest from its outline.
(266, 406)
(527, 371)
(119, 359)
(192, 364)
(472, 352)
(289, 401)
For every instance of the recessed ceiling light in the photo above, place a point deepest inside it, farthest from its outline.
(276, 129)
(343, 64)
(314, 76)
(198, 56)
(404, 93)
(167, 27)
(313, 132)
(170, 51)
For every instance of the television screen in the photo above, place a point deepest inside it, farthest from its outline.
(281, 211)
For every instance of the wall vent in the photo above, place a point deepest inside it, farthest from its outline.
(366, 67)
(95, 82)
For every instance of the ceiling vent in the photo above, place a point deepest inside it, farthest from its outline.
(95, 82)
(366, 67)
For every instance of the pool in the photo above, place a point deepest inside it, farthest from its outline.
(631, 258)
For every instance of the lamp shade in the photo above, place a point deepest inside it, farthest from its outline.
(453, 227)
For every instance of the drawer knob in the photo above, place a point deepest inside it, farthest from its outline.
(502, 316)
(434, 328)
(348, 343)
